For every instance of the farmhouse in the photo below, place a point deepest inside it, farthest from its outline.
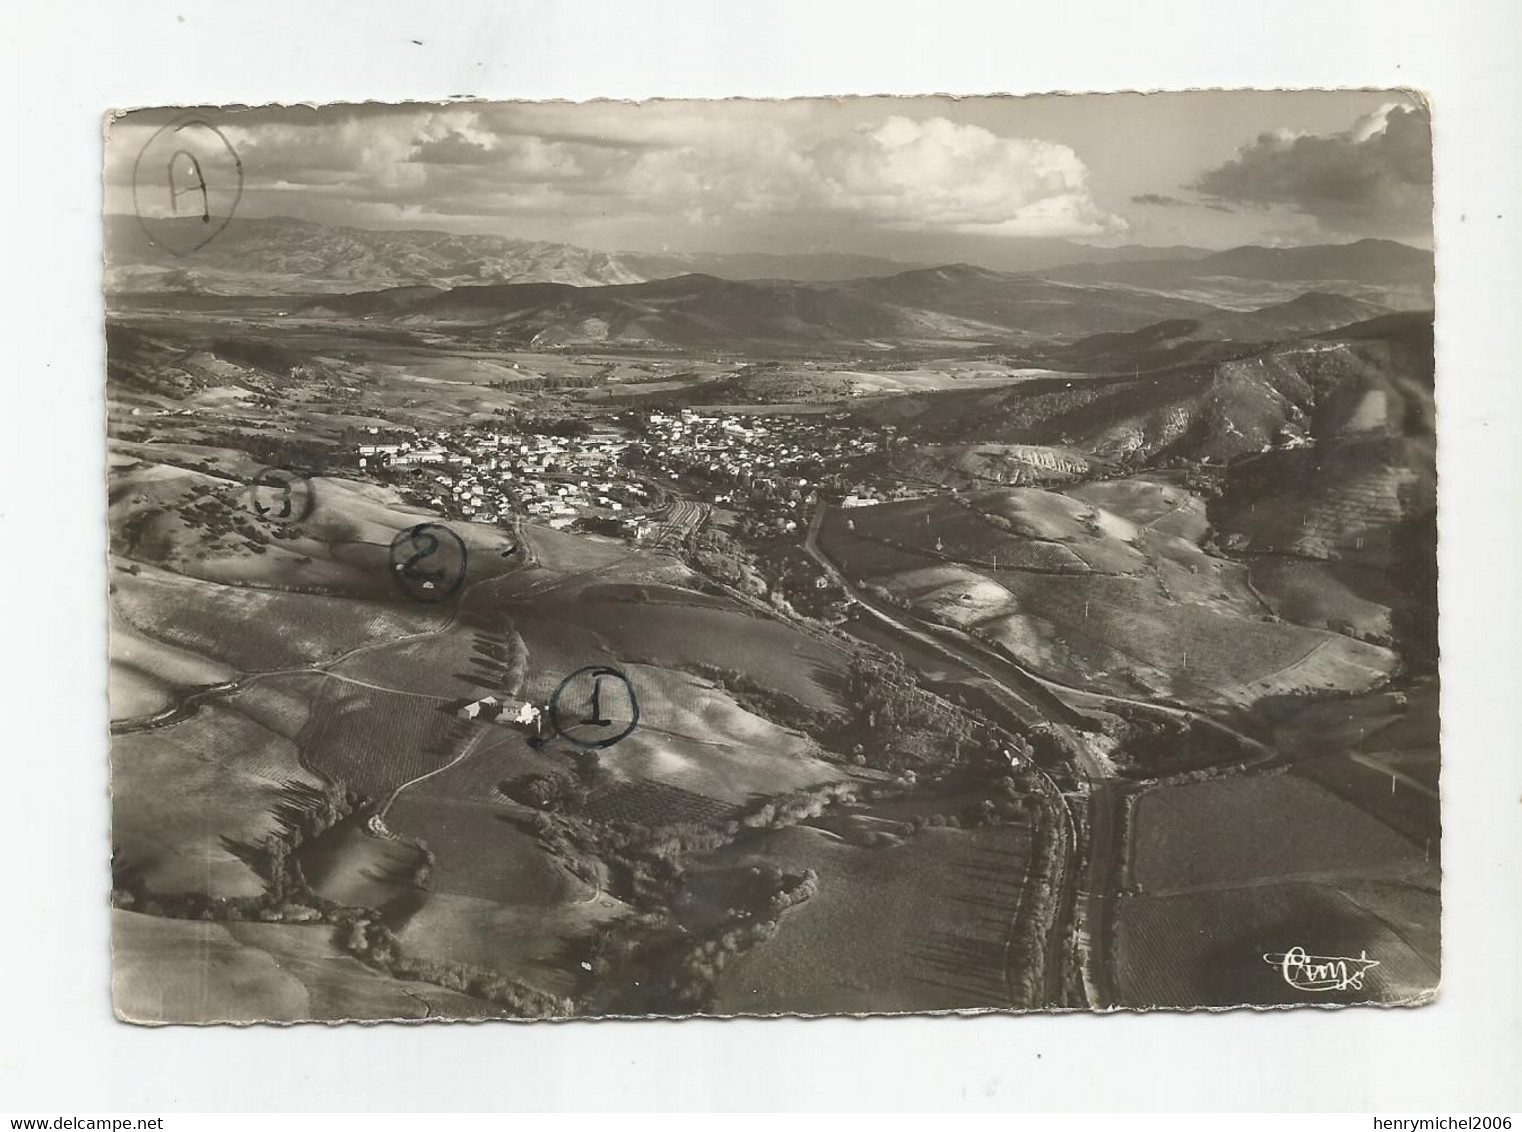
(518, 714)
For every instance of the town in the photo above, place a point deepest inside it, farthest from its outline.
(610, 478)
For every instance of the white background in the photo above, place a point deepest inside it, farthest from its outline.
(60, 1049)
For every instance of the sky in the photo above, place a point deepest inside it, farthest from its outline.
(915, 179)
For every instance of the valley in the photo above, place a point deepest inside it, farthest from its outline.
(880, 639)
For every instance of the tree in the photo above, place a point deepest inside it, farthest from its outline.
(588, 765)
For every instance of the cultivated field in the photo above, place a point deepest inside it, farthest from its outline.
(249, 629)
(148, 676)
(1235, 829)
(189, 796)
(374, 741)
(1148, 501)
(1207, 948)
(1232, 869)
(924, 925)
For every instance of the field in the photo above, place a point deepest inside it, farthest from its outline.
(1326, 595)
(483, 853)
(480, 656)
(1236, 829)
(971, 465)
(1148, 501)
(349, 866)
(1229, 870)
(531, 943)
(249, 629)
(190, 797)
(1379, 751)
(653, 803)
(690, 735)
(920, 926)
(204, 526)
(147, 675)
(802, 383)
(373, 741)
(1121, 636)
(769, 652)
(198, 972)
(1343, 501)
(1207, 948)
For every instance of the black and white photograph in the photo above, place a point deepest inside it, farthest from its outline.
(806, 557)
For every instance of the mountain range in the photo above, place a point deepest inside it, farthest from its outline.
(535, 293)
(281, 255)
(1103, 325)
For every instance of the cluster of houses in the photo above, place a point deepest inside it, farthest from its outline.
(771, 469)
(484, 476)
(755, 446)
(776, 467)
(520, 715)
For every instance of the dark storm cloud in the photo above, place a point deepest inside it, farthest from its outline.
(1160, 199)
(1375, 178)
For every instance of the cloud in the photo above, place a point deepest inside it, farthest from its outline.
(1374, 178)
(734, 164)
(1160, 199)
(938, 174)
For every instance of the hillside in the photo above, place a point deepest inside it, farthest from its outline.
(1371, 377)
(1214, 337)
(1088, 597)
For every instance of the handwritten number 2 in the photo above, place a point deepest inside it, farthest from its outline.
(409, 567)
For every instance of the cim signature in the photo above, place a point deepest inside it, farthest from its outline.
(1320, 973)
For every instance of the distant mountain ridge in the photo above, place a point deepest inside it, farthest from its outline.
(957, 304)
(1109, 327)
(286, 256)
(1392, 274)
(282, 255)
